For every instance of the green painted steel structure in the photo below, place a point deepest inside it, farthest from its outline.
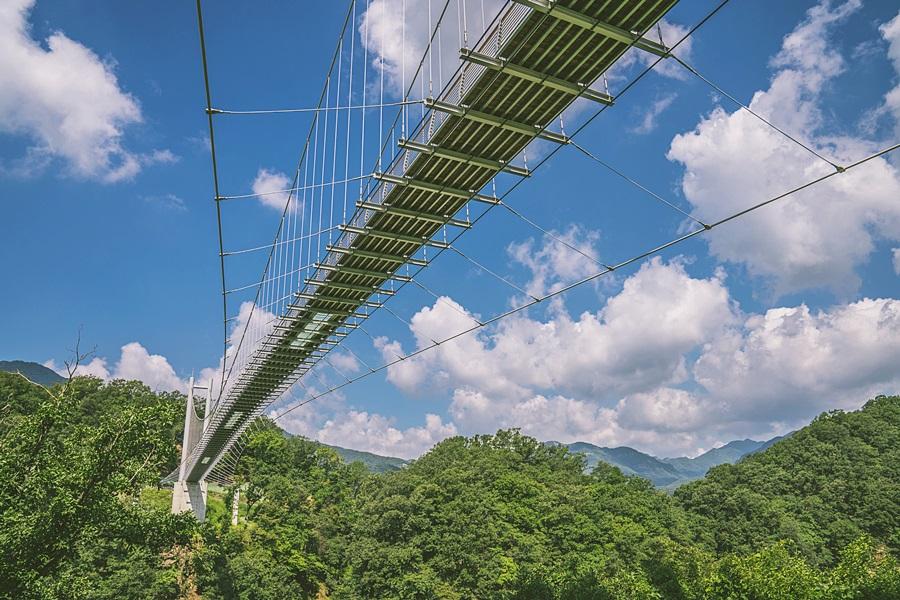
(535, 60)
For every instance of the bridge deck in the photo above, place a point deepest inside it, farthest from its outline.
(480, 115)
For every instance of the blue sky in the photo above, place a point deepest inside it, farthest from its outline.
(109, 226)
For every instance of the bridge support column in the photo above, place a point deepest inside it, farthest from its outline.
(191, 495)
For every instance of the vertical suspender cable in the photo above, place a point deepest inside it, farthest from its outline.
(365, 90)
(337, 120)
(349, 113)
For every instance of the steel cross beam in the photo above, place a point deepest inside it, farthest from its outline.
(360, 272)
(369, 289)
(553, 8)
(377, 256)
(434, 149)
(390, 235)
(501, 64)
(465, 112)
(426, 186)
(414, 214)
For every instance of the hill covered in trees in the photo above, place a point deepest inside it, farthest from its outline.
(497, 516)
(35, 372)
(667, 473)
(821, 488)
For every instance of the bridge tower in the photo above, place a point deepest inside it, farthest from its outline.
(191, 495)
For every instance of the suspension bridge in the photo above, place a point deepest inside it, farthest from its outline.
(402, 157)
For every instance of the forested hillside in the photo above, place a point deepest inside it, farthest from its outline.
(497, 516)
(821, 488)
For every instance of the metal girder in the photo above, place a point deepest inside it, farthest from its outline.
(427, 186)
(501, 64)
(337, 300)
(377, 256)
(552, 8)
(360, 272)
(464, 112)
(434, 149)
(390, 235)
(369, 289)
(414, 214)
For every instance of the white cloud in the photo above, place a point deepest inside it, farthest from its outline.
(345, 362)
(135, 363)
(895, 254)
(554, 264)
(671, 33)
(664, 410)
(649, 120)
(167, 201)
(67, 101)
(890, 31)
(790, 363)
(669, 365)
(376, 433)
(636, 342)
(270, 187)
(153, 369)
(732, 161)
(396, 48)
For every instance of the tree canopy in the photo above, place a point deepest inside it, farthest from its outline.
(491, 516)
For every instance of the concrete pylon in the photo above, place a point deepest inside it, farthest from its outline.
(191, 496)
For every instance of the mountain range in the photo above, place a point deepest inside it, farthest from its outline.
(667, 473)
(35, 372)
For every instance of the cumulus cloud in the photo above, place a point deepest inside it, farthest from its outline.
(792, 362)
(635, 342)
(396, 39)
(67, 101)
(134, 362)
(651, 115)
(554, 264)
(670, 33)
(890, 31)
(669, 364)
(375, 433)
(344, 362)
(270, 186)
(732, 161)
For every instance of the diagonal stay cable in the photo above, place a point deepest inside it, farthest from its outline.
(634, 182)
(295, 189)
(711, 84)
(638, 257)
(484, 268)
(274, 111)
(553, 236)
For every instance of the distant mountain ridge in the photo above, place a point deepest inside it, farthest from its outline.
(668, 473)
(373, 462)
(37, 373)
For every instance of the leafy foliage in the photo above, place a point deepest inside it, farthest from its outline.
(821, 488)
(70, 460)
(495, 516)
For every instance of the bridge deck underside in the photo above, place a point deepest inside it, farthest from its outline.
(530, 39)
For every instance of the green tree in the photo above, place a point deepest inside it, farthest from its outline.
(71, 467)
